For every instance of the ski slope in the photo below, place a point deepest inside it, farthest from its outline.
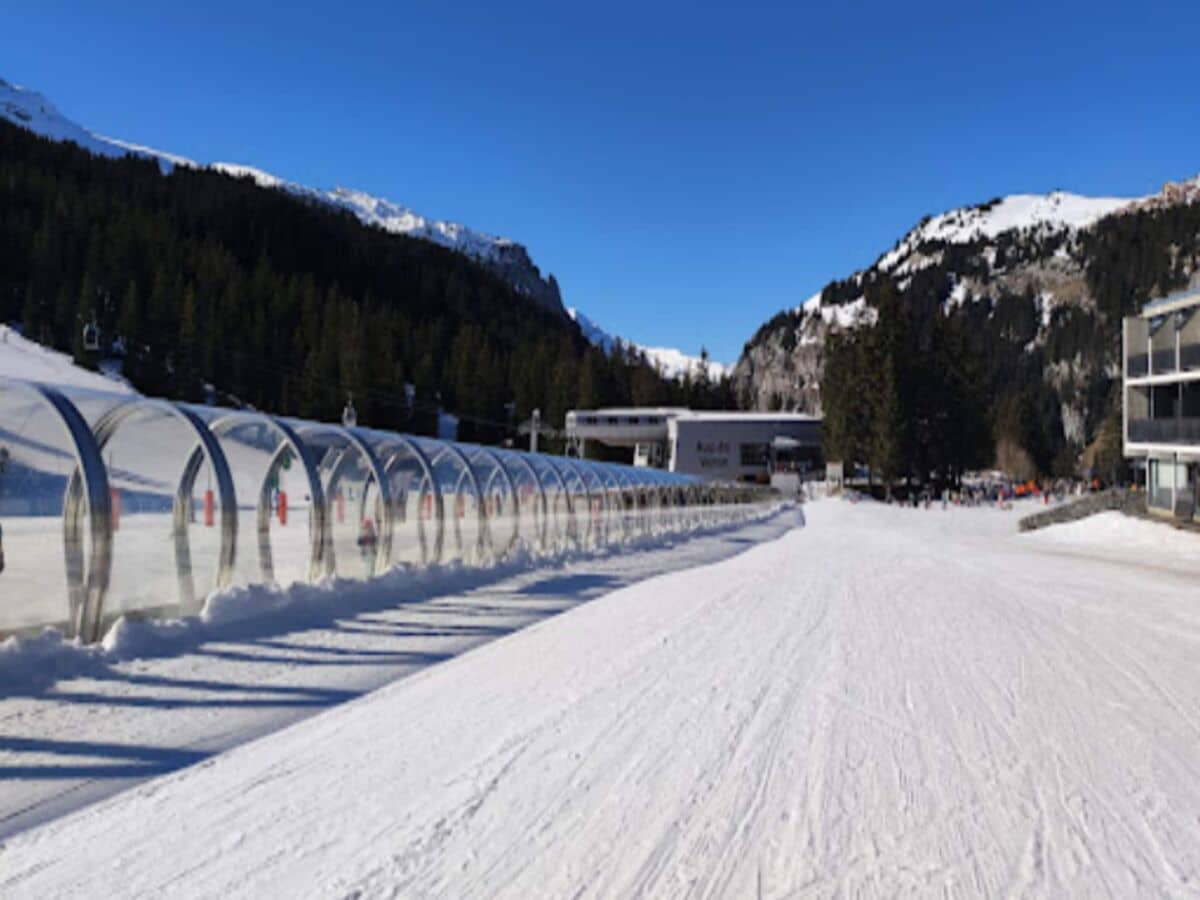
(883, 702)
(24, 359)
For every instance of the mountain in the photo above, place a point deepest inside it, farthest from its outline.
(1035, 284)
(508, 259)
(671, 362)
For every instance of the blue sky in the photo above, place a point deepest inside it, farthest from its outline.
(686, 171)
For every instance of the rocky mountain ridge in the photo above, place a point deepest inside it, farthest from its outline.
(1056, 253)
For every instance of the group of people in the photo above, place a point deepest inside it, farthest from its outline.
(999, 493)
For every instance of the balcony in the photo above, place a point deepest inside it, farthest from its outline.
(1163, 362)
(1137, 365)
(1165, 431)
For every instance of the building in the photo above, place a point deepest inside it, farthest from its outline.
(728, 446)
(1161, 402)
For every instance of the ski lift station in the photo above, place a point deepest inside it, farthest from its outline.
(715, 446)
(121, 505)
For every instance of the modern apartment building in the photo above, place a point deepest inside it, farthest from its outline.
(1161, 347)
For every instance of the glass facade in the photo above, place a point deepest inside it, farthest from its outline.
(113, 505)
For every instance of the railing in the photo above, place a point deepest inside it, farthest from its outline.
(1160, 498)
(1189, 356)
(1165, 431)
(116, 505)
(1164, 361)
(1137, 365)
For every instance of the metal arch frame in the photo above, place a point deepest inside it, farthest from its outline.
(384, 556)
(566, 494)
(87, 585)
(225, 425)
(106, 428)
(554, 463)
(388, 441)
(628, 492)
(512, 490)
(468, 472)
(595, 487)
(610, 485)
(543, 519)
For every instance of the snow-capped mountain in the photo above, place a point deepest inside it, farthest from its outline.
(671, 362)
(1024, 245)
(508, 259)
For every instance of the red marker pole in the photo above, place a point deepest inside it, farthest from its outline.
(283, 507)
(210, 509)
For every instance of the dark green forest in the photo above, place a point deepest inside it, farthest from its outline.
(927, 393)
(284, 304)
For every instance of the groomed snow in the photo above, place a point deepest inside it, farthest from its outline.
(884, 702)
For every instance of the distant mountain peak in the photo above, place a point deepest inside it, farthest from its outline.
(671, 362)
(506, 258)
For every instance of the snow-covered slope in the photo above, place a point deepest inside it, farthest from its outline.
(23, 359)
(673, 363)
(30, 110)
(1055, 211)
(886, 702)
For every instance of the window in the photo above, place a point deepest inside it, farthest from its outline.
(754, 454)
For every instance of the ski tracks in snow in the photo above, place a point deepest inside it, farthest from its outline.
(886, 702)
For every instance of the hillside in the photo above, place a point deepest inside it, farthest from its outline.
(207, 284)
(1036, 284)
(507, 259)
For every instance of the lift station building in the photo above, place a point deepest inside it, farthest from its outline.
(724, 446)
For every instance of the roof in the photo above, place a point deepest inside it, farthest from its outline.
(750, 417)
(1170, 303)
(677, 412)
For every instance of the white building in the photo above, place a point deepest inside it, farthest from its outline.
(727, 446)
(1162, 400)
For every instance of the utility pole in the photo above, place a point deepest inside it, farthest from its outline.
(535, 424)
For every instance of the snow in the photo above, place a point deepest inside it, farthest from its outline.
(1056, 211)
(673, 363)
(24, 359)
(1135, 541)
(841, 315)
(257, 659)
(958, 294)
(883, 702)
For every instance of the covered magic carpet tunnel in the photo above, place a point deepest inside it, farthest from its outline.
(118, 504)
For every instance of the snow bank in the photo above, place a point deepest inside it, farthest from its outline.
(1117, 536)
(246, 612)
